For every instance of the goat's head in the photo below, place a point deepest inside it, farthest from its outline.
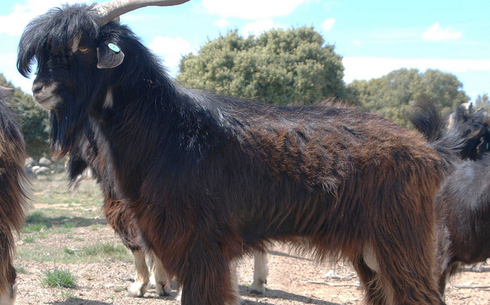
(75, 47)
(475, 126)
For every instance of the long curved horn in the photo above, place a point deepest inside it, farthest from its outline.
(111, 10)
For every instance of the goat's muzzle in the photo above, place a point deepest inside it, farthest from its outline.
(45, 96)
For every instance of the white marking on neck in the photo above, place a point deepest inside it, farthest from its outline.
(109, 101)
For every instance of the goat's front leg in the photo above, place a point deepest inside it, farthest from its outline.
(138, 288)
(159, 277)
(207, 278)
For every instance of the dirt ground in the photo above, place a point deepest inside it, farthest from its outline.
(292, 280)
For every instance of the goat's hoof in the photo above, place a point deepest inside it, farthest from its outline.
(258, 287)
(257, 290)
(476, 267)
(163, 290)
(137, 289)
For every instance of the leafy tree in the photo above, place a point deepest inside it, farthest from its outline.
(279, 67)
(483, 101)
(33, 121)
(393, 93)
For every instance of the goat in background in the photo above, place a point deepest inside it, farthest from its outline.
(13, 195)
(463, 202)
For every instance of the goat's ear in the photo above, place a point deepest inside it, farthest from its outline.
(109, 56)
(483, 146)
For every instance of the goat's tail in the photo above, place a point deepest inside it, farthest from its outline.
(448, 142)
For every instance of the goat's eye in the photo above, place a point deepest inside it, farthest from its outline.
(82, 49)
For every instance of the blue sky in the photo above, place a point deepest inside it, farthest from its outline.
(373, 37)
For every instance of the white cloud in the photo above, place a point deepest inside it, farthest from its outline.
(436, 33)
(15, 22)
(328, 24)
(372, 67)
(9, 70)
(258, 27)
(252, 9)
(171, 49)
(222, 23)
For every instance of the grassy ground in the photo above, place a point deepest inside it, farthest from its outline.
(59, 212)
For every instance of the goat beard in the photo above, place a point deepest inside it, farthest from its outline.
(67, 128)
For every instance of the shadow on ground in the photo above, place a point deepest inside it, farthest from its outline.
(272, 294)
(78, 301)
(49, 222)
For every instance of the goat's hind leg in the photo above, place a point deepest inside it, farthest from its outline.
(367, 268)
(261, 271)
(369, 282)
(397, 280)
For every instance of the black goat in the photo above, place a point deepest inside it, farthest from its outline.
(209, 178)
(475, 128)
(463, 202)
(463, 208)
(86, 156)
(13, 195)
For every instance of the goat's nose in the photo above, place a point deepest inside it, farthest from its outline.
(37, 87)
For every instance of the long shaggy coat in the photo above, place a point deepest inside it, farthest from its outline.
(211, 178)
